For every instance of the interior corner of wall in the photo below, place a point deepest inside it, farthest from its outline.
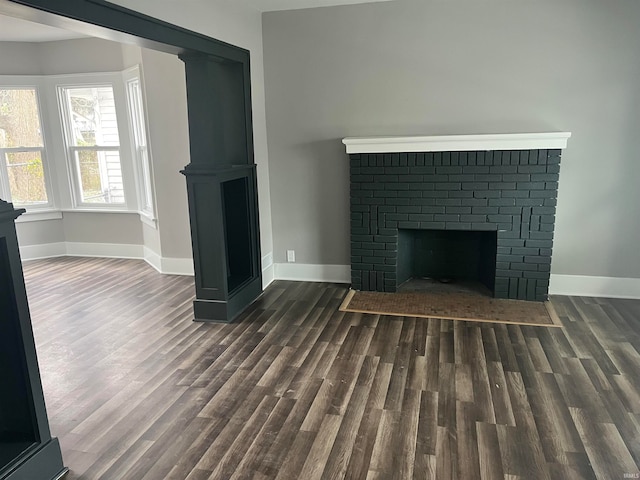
(268, 270)
(153, 258)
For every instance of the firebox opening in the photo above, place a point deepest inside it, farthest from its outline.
(237, 223)
(447, 256)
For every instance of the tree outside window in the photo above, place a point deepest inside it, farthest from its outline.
(22, 172)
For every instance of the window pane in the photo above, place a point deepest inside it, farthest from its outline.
(100, 176)
(26, 178)
(93, 116)
(19, 118)
(136, 114)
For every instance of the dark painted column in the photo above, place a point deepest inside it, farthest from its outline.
(27, 450)
(221, 186)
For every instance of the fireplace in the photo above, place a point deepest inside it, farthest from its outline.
(476, 207)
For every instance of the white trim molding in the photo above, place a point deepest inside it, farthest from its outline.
(573, 285)
(45, 250)
(39, 216)
(165, 265)
(268, 270)
(152, 258)
(586, 286)
(177, 266)
(457, 143)
(313, 273)
(147, 220)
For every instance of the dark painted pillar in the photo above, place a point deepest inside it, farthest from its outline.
(221, 186)
(27, 450)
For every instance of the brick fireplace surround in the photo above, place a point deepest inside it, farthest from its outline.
(505, 184)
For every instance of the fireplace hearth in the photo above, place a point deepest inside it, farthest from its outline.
(479, 207)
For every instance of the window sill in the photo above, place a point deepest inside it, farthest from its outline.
(43, 215)
(147, 220)
(37, 216)
(98, 210)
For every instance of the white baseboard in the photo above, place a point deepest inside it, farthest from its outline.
(177, 266)
(268, 270)
(153, 259)
(584, 286)
(313, 273)
(47, 250)
(574, 285)
(170, 266)
(184, 266)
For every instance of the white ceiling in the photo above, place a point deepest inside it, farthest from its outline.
(17, 30)
(274, 5)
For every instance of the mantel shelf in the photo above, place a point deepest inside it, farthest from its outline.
(453, 143)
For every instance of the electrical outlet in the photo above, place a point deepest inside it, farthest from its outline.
(291, 256)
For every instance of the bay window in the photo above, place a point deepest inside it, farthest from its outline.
(88, 153)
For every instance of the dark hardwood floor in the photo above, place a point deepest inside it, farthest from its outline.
(298, 390)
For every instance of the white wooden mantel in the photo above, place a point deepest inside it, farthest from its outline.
(457, 143)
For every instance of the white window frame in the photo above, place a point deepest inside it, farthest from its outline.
(8, 82)
(113, 80)
(59, 171)
(140, 145)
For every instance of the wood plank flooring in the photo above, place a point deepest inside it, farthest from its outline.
(298, 390)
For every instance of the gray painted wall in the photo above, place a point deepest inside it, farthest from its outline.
(169, 136)
(434, 67)
(19, 58)
(107, 228)
(37, 233)
(83, 55)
